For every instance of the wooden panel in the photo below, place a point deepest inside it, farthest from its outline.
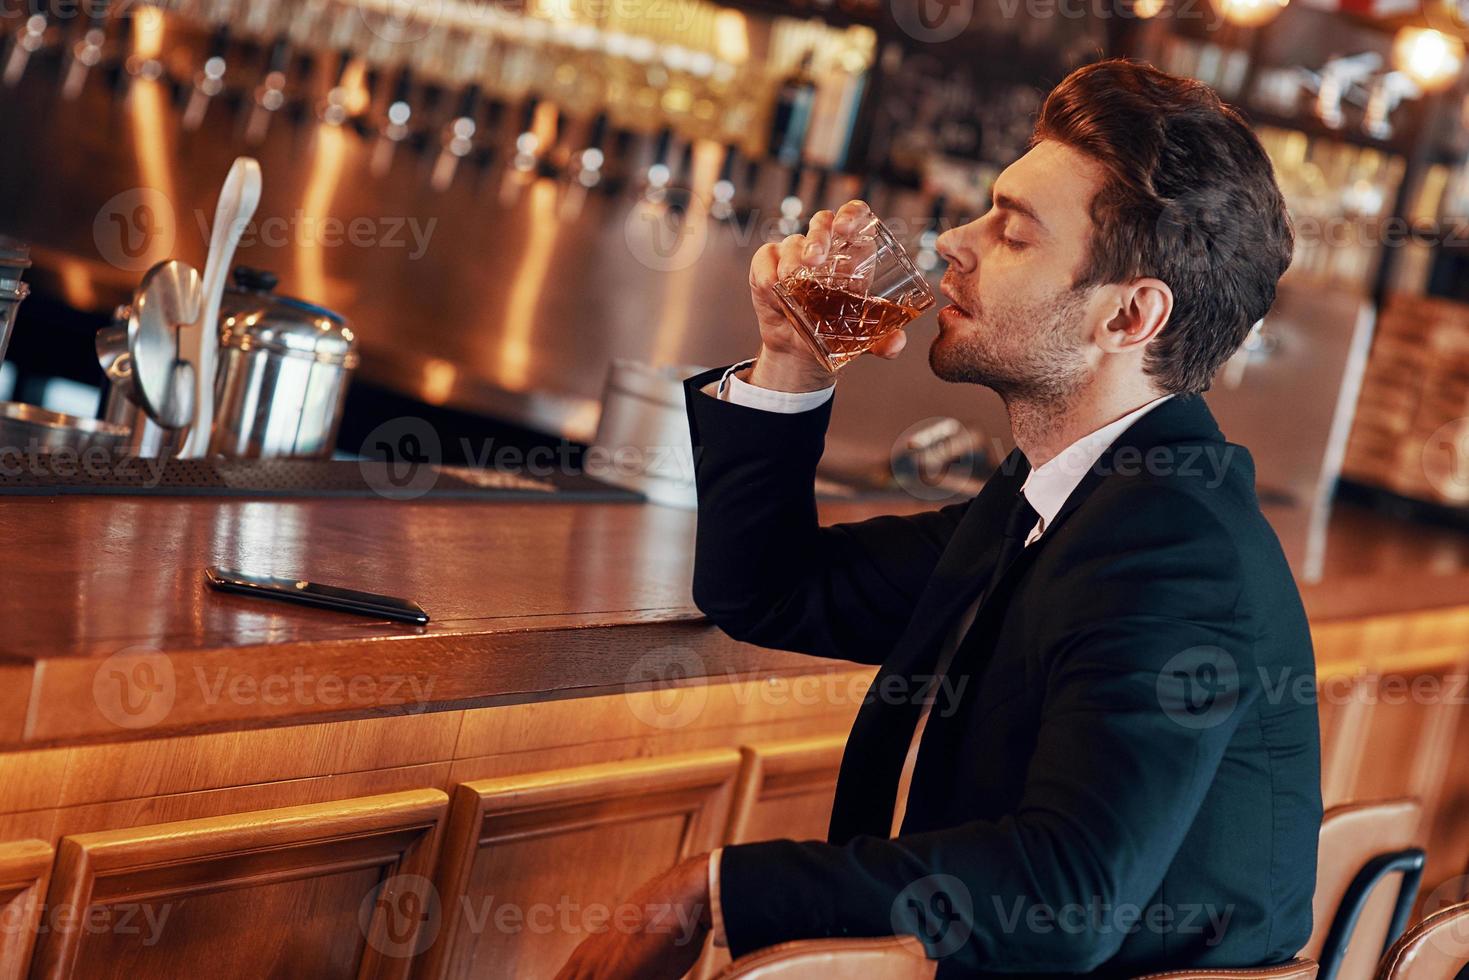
(160, 767)
(326, 890)
(52, 825)
(531, 862)
(24, 867)
(1404, 739)
(1346, 711)
(785, 790)
(664, 710)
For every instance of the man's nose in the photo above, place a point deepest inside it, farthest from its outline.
(955, 251)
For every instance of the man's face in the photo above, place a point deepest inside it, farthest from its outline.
(1016, 324)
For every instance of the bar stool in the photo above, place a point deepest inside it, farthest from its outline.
(1435, 949)
(1360, 845)
(1296, 969)
(879, 958)
(903, 958)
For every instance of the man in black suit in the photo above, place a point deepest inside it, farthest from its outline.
(1087, 748)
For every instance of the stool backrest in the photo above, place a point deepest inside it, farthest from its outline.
(1296, 969)
(880, 958)
(1435, 949)
(1364, 919)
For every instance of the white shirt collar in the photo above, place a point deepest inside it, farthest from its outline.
(1048, 485)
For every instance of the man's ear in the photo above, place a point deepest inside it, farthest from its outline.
(1140, 312)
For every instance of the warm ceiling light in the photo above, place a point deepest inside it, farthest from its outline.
(1250, 13)
(1148, 8)
(1430, 58)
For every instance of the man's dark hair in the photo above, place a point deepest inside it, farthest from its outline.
(1190, 198)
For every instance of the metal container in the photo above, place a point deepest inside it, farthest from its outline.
(150, 389)
(284, 367)
(15, 258)
(30, 428)
(642, 440)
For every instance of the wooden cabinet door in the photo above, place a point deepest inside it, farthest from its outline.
(785, 790)
(532, 863)
(24, 867)
(323, 891)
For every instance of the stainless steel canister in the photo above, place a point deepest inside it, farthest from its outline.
(15, 258)
(642, 440)
(284, 367)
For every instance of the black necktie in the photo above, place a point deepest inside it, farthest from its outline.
(1017, 528)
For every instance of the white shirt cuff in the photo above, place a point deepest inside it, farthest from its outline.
(740, 392)
(716, 913)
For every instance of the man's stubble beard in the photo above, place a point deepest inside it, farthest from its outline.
(1046, 366)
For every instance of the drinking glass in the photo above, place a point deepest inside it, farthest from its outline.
(866, 289)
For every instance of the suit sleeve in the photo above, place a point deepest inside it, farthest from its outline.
(1148, 673)
(765, 571)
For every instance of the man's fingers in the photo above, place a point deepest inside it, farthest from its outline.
(790, 255)
(765, 266)
(892, 345)
(818, 238)
(851, 216)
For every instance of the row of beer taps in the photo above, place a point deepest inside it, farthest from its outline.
(509, 97)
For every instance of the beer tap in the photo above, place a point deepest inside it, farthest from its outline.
(721, 205)
(86, 54)
(457, 139)
(584, 171)
(679, 193)
(209, 80)
(270, 94)
(397, 129)
(526, 162)
(336, 108)
(792, 208)
(31, 39)
(658, 175)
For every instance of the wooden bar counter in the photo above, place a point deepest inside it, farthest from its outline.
(192, 781)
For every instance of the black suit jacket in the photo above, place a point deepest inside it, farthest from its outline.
(1121, 772)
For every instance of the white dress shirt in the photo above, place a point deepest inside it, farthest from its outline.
(1045, 489)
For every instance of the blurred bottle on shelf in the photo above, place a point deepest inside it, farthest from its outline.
(791, 113)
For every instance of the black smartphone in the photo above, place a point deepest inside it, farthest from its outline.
(315, 594)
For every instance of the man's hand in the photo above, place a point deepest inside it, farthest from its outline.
(657, 933)
(785, 362)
